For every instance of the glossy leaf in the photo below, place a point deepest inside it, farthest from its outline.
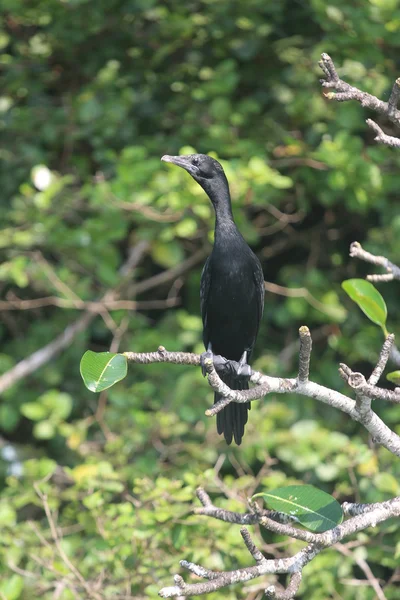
(363, 293)
(313, 508)
(101, 370)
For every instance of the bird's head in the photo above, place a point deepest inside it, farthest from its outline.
(205, 170)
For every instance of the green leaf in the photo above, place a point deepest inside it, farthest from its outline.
(101, 370)
(34, 411)
(8, 515)
(394, 377)
(315, 509)
(368, 298)
(58, 404)
(12, 587)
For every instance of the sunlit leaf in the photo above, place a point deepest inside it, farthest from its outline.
(101, 370)
(368, 298)
(313, 508)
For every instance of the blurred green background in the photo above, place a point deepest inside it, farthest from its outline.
(93, 93)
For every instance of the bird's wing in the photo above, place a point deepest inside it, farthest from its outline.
(260, 290)
(204, 290)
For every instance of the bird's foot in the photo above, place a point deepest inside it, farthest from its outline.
(208, 355)
(220, 363)
(243, 369)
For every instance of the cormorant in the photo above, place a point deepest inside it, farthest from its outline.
(231, 291)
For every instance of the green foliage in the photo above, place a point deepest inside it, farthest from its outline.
(313, 508)
(93, 94)
(394, 377)
(368, 299)
(101, 370)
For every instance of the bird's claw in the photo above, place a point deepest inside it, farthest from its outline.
(240, 370)
(208, 355)
(221, 364)
(243, 370)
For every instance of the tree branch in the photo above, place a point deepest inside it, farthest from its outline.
(42, 356)
(265, 384)
(393, 271)
(15, 303)
(364, 516)
(344, 91)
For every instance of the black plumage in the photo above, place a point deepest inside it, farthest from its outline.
(231, 291)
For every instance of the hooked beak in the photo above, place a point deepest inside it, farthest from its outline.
(181, 161)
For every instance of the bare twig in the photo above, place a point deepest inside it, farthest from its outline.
(381, 137)
(364, 566)
(344, 91)
(44, 355)
(393, 271)
(298, 292)
(170, 274)
(54, 534)
(305, 354)
(383, 358)
(366, 516)
(14, 303)
(39, 358)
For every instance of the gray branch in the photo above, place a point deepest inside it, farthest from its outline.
(362, 516)
(344, 92)
(393, 271)
(265, 384)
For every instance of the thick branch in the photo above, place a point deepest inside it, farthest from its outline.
(265, 384)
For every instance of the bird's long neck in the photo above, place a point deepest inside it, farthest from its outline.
(221, 199)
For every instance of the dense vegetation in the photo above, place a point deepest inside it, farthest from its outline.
(96, 92)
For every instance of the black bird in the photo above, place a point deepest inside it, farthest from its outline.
(231, 291)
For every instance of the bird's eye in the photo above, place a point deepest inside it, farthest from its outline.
(195, 161)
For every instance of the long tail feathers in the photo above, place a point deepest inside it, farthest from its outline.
(232, 419)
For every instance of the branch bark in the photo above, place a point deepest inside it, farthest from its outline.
(265, 384)
(361, 516)
(364, 516)
(344, 92)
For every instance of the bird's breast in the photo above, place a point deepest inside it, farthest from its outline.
(232, 320)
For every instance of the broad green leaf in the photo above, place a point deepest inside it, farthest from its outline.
(368, 298)
(394, 377)
(101, 370)
(313, 508)
(34, 411)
